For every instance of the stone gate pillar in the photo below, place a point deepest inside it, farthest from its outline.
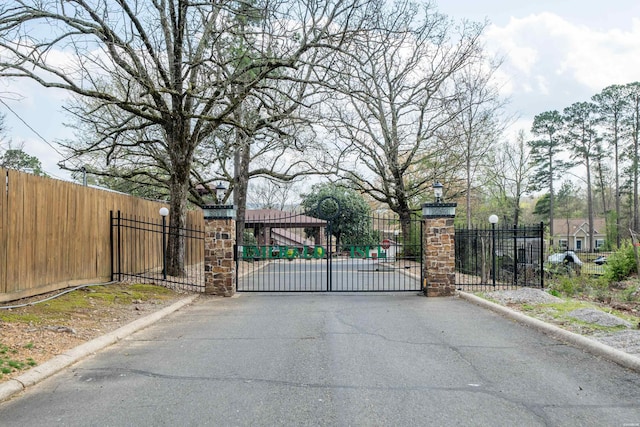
(219, 248)
(438, 243)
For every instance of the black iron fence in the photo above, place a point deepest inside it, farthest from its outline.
(299, 252)
(499, 258)
(138, 252)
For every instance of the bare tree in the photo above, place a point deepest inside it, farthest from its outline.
(3, 130)
(389, 103)
(510, 174)
(477, 121)
(270, 194)
(161, 64)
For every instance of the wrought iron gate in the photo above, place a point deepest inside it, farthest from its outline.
(138, 252)
(499, 258)
(309, 252)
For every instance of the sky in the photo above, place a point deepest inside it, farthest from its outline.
(555, 52)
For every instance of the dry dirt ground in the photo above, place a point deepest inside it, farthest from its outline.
(36, 333)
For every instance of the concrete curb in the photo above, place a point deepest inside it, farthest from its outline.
(592, 346)
(69, 357)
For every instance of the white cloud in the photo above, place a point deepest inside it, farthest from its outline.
(551, 62)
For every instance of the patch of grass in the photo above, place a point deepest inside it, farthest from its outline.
(13, 317)
(558, 310)
(8, 362)
(90, 298)
(528, 307)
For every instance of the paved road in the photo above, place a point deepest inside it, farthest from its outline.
(347, 274)
(334, 359)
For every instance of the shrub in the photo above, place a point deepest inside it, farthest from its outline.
(565, 285)
(620, 264)
(249, 238)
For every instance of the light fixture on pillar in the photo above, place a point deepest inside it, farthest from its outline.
(438, 209)
(220, 192)
(437, 191)
(218, 210)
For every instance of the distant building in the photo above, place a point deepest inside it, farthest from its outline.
(573, 234)
(274, 227)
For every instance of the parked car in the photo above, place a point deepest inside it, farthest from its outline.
(566, 257)
(601, 260)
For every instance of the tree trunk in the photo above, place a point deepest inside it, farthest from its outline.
(551, 198)
(589, 202)
(179, 186)
(405, 224)
(468, 199)
(241, 170)
(635, 184)
(617, 195)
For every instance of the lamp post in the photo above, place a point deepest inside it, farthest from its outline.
(220, 192)
(493, 219)
(438, 209)
(438, 251)
(217, 209)
(163, 213)
(437, 191)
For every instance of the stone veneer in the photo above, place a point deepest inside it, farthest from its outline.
(219, 263)
(439, 257)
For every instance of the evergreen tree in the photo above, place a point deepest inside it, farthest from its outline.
(544, 154)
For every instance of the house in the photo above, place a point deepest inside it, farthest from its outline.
(274, 227)
(573, 234)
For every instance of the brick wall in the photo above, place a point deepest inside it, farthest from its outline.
(219, 263)
(439, 256)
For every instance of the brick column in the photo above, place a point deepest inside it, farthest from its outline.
(438, 242)
(219, 260)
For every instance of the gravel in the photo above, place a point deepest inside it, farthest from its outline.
(626, 340)
(523, 296)
(598, 317)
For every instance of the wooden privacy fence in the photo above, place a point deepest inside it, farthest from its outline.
(55, 234)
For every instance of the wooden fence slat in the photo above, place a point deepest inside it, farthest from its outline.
(3, 231)
(54, 234)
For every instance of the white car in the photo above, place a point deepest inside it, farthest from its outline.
(565, 257)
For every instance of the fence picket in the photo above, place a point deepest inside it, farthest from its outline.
(54, 234)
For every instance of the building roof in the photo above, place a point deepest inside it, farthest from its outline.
(578, 225)
(280, 219)
(291, 236)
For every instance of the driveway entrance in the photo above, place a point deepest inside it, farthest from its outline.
(291, 256)
(334, 360)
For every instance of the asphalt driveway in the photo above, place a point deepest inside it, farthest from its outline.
(334, 359)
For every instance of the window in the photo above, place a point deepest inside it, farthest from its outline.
(599, 243)
(579, 244)
(562, 243)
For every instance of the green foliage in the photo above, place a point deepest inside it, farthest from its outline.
(612, 232)
(19, 160)
(571, 285)
(542, 206)
(353, 224)
(554, 292)
(9, 363)
(248, 238)
(620, 264)
(565, 285)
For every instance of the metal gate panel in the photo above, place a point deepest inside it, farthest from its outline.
(499, 258)
(289, 256)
